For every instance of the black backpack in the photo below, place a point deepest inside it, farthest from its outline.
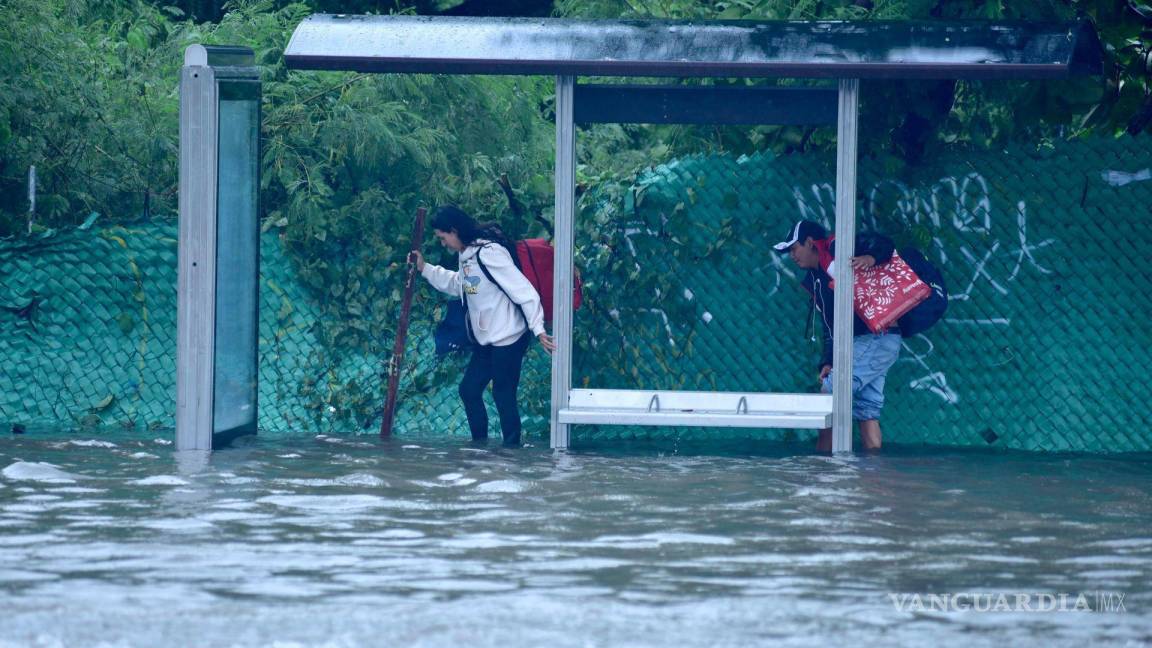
(929, 311)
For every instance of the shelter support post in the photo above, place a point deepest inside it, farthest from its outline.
(196, 273)
(564, 235)
(217, 302)
(842, 329)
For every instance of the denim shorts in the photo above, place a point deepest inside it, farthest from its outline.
(872, 357)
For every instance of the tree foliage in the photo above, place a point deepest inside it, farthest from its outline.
(87, 95)
(930, 115)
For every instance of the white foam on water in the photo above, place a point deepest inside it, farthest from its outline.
(1104, 560)
(1001, 559)
(21, 576)
(329, 503)
(290, 455)
(577, 564)
(97, 522)
(486, 541)
(1105, 574)
(281, 589)
(83, 504)
(143, 455)
(751, 504)
(235, 505)
(93, 443)
(818, 522)
(409, 447)
(161, 480)
(1123, 543)
(25, 508)
(463, 585)
(651, 540)
(500, 486)
(450, 476)
(355, 479)
(848, 539)
(399, 534)
(233, 516)
(502, 514)
(38, 472)
(617, 497)
(179, 525)
(75, 489)
(162, 441)
(31, 538)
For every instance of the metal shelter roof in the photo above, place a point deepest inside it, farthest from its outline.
(827, 49)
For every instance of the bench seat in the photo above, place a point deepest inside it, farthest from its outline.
(690, 408)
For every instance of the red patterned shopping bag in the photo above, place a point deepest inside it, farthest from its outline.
(885, 292)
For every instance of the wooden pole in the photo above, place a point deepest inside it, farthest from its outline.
(397, 360)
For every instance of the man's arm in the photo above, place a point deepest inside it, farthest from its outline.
(871, 244)
(875, 245)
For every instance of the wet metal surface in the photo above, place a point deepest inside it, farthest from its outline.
(464, 45)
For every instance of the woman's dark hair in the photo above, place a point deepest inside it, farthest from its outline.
(450, 217)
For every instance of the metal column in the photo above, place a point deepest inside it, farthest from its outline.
(562, 280)
(842, 328)
(196, 274)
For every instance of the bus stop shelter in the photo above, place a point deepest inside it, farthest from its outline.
(842, 52)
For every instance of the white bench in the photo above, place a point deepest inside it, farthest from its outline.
(686, 408)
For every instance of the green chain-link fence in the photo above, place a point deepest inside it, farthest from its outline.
(1043, 346)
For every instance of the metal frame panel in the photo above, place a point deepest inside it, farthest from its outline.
(757, 420)
(196, 273)
(667, 400)
(698, 409)
(563, 262)
(843, 316)
(711, 105)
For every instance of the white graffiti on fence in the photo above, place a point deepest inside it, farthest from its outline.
(1025, 250)
(935, 381)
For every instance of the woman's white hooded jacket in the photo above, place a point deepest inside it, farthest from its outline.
(495, 319)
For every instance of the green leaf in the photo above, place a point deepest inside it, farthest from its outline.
(137, 39)
(1144, 10)
(89, 221)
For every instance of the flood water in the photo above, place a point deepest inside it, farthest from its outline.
(112, 540)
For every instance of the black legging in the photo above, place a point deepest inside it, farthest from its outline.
(501, 366)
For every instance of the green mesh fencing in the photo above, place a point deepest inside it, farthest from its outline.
(1042, 347)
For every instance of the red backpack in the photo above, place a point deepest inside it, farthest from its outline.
(536, 260)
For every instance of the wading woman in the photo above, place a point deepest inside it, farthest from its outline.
(503, 314)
